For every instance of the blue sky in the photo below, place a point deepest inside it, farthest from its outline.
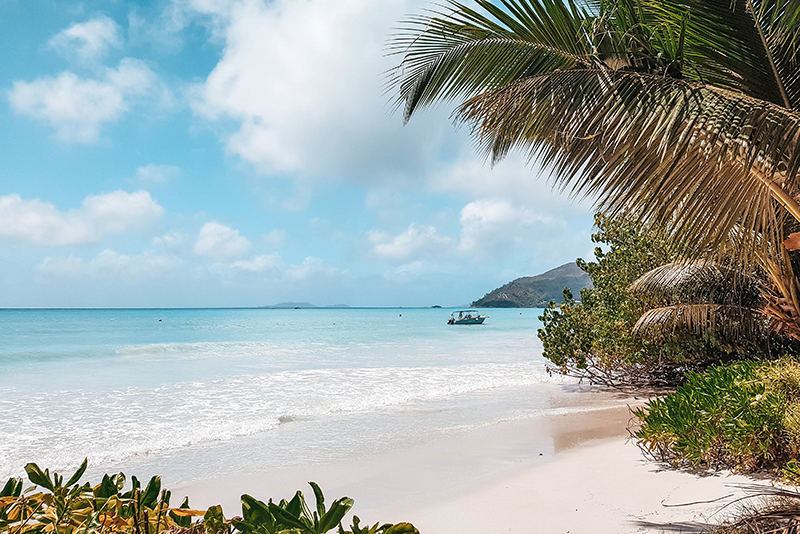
(244, 153)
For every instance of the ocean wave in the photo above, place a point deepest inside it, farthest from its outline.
(58, 428)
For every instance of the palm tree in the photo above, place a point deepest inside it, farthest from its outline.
(701, 298)
(681, 111)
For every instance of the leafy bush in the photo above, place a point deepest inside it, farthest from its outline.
(689, 325)
(592, 338)
(72, 508)
(743, 416)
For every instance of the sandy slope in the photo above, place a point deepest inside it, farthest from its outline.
(569, 473)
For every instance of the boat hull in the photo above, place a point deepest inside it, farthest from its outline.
(473, 320)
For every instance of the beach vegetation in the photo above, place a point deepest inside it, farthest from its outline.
(52, 506)
(743, 416)
(649, 318)
(592, 338)
(766, 509)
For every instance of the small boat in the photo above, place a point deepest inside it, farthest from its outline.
(466, 317)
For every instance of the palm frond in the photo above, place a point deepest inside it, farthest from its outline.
(724, 44)
(701, 281)
(778, 23)
(706, 160)
(725, 322)
(461, 52)
(782, 296)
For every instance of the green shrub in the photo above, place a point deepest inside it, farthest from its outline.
(689, 315)
(73, 508)
(592, 338)
(743, 416)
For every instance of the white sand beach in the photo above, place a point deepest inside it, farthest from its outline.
(568, 473)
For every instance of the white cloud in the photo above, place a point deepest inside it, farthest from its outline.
(311, 267)
(158, 173)
(259, 264)
(275, 238)
(163, 31)
(514, 178)
(277, 268)
(111, 265)
(37, 223)
(303, 81)
(491, 228)
(88, 41)
(417, 240)
(221, 243)
(78, 107)
(169, 240)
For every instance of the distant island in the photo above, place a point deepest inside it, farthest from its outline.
(291, 305)
(537, 291)
(294, 305)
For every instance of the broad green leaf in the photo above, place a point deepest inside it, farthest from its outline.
(319, 497)
(182, 521)
(284, 518)
(149, 497)
(256, 511)
(39, 477)
(337, 511)
(79, 473)
(214, 521)
(296, 505)
(12, 488)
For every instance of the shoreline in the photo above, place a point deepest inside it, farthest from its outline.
(571, 472)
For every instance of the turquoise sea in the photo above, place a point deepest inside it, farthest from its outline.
(200, 393)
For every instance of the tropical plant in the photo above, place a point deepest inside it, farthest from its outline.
(743, 416)
(592, 338)
(73, 508)
(293, 515)
(680, 111)
(645, 321)
(701, 298)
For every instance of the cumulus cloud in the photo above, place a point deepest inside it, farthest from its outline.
(221, 243)
(274, 266)
(275, 238)
(259, 264)
(111, 265)
(79, 107)
(491, 228)
(37, 223)
(303, 82)
(158, 173)
(169, 240)
(88, 41)
(311, 267)
(417, 240)
(513, 178)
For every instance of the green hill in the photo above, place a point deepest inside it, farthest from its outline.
(537, 291)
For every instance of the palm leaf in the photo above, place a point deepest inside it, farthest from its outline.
(723, 321)
(707, 161)
(608, 108)
(778, 26)
(729, 44)
(701, 281)
(460, 52)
